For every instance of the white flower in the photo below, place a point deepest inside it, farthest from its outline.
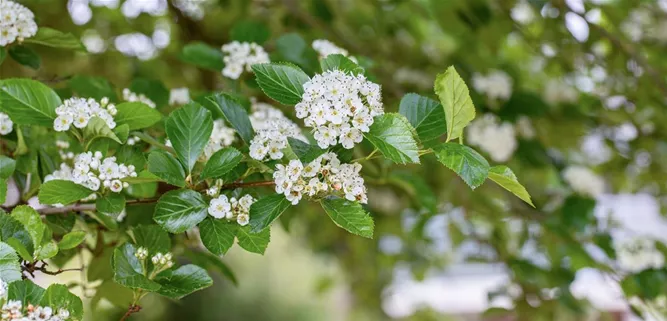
(525, 128)
(240, 56)
(243, 219)
(221, 137)
(495, 138)
(6, 124)
(130, 96)
(339, 107)
(219, 207)
(638, 254)
(584, 181)
(79, 111)
(272, 129)
(325, 47)
(179, 96)
(557, 92)
(16, 23)
(496, 85)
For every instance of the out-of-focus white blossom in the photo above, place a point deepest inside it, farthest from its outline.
(321, 177)
(16, 22)
(13, 310)
(272, 129)
(133, 140)
(241, 56)
(179, 96)
(495, 138)
(584, 181)
(524, 127)
(325, 47)
(192, 8)
(130, 96)
(339, 107)
(523, 12)
(496, 84)
(638, 254)
(6, 124)
(232, 208)
(557, 92)
(79, 111)
(221, 137)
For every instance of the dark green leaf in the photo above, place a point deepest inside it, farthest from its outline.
(153, 238)
(183, 281)
(342, 63)
(235, 115)
(251, 242)
(166, 167)
(189, 129)
(25, 291)
(128, 271)
(10, 270)
(304, 151)
(282, 82)
(349, 216)
(465, 161)
(111, 204)
(221, 162)
(62, 192)
(57, 296)
(393, 136)
(203, 55)
(217, 235)
(180, 210)
(426, 115)
(7, 166)
(266, 210)
(25, 56)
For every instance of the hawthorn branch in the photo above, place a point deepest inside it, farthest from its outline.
(79, 207)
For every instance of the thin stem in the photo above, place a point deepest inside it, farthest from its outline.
(79, 207)
(152, 141)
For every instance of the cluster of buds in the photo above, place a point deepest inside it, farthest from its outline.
(162, 261)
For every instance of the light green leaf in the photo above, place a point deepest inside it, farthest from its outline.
(47, 250)
(128, 271)
(3, 190)
(217, 235)
(251, 242)
(426, 115)
(153, 238)
(28, 102)
(456, 101)
(98, 128)
(25, 291)
(183, 281)
(342, 63)
(393, 136)
(349, 216)
(503, 176)
(57, 296)
(32, 222)
(189, 129)
(7, 166)
(281, 81)
(221, 162)
(62, 192)
(235, 115)
(56, 39)
(25, 56)
(10, 270)
(166, 167)
(250, 31)
(15, 234)
(72, 240)
(293, 48)
(136, 115)
(122, 132)
(266, 210)
(111, 204)
(465, 161)
(304, 151)
(203, 55)
(180, 210)
(21, 249)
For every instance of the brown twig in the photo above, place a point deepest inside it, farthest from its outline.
(31, 268)
(134, 308)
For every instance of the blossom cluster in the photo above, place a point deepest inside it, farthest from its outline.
(321, 177)
(272, 129)
(179, 96)
(340, 107)
(240, 56)
(79, 111)
(325, 47)
(221, 137)
(232, 208)
(6, 124)
(164, 261)
(130, 96)
(93, 171)
(584, 181)
(496, 85)
(13, 310)
(493, 137)
(16, 22)
(638, 254)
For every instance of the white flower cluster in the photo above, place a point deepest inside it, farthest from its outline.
(272, 129)
(63, 147)
(79, 111)
(240, 56)
(556, 92)
(495, 138)
(179, 96)
(164, 261)
(6, 124)
(638, 254)
(340, 107)
(325, 47)
(93, 172)
(321, 177)
(221, 137)
(584, 181)
(130, 96)
(496, 85)
(16, 22)
(231, 208)
(13, 311)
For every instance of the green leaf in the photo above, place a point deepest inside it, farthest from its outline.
(189, 129)
(7, 166)
(57, 296)
(153, 238)
(128, 271)
(180, 210)
(98, 128)
(166, 167)
(122, 132)
(465, 161)
(250, 31)
(426, 115)
(304, 151)
(235, 115)
(10, 270)
(417, 188)
(15, 234)
(60, 224)
(212, 262)
(111, 204)
(143, 177)
(349, 216)
(32, 222)
(28, 102)
(280, 81)
(455, 99)
(93, 87)
(25, 291)
(293, 48)
(136, 115)
(47, 251)
(3, 190)
(504, 177)
(72, 240)
(342, 63)
(183, 281)
(217, 235)
(393, 135)
(62, 192)
(25, 56)
(56, 39)
(203, 55)
(266, 210)
(154, 89)
(221, 162)
(251, 242)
